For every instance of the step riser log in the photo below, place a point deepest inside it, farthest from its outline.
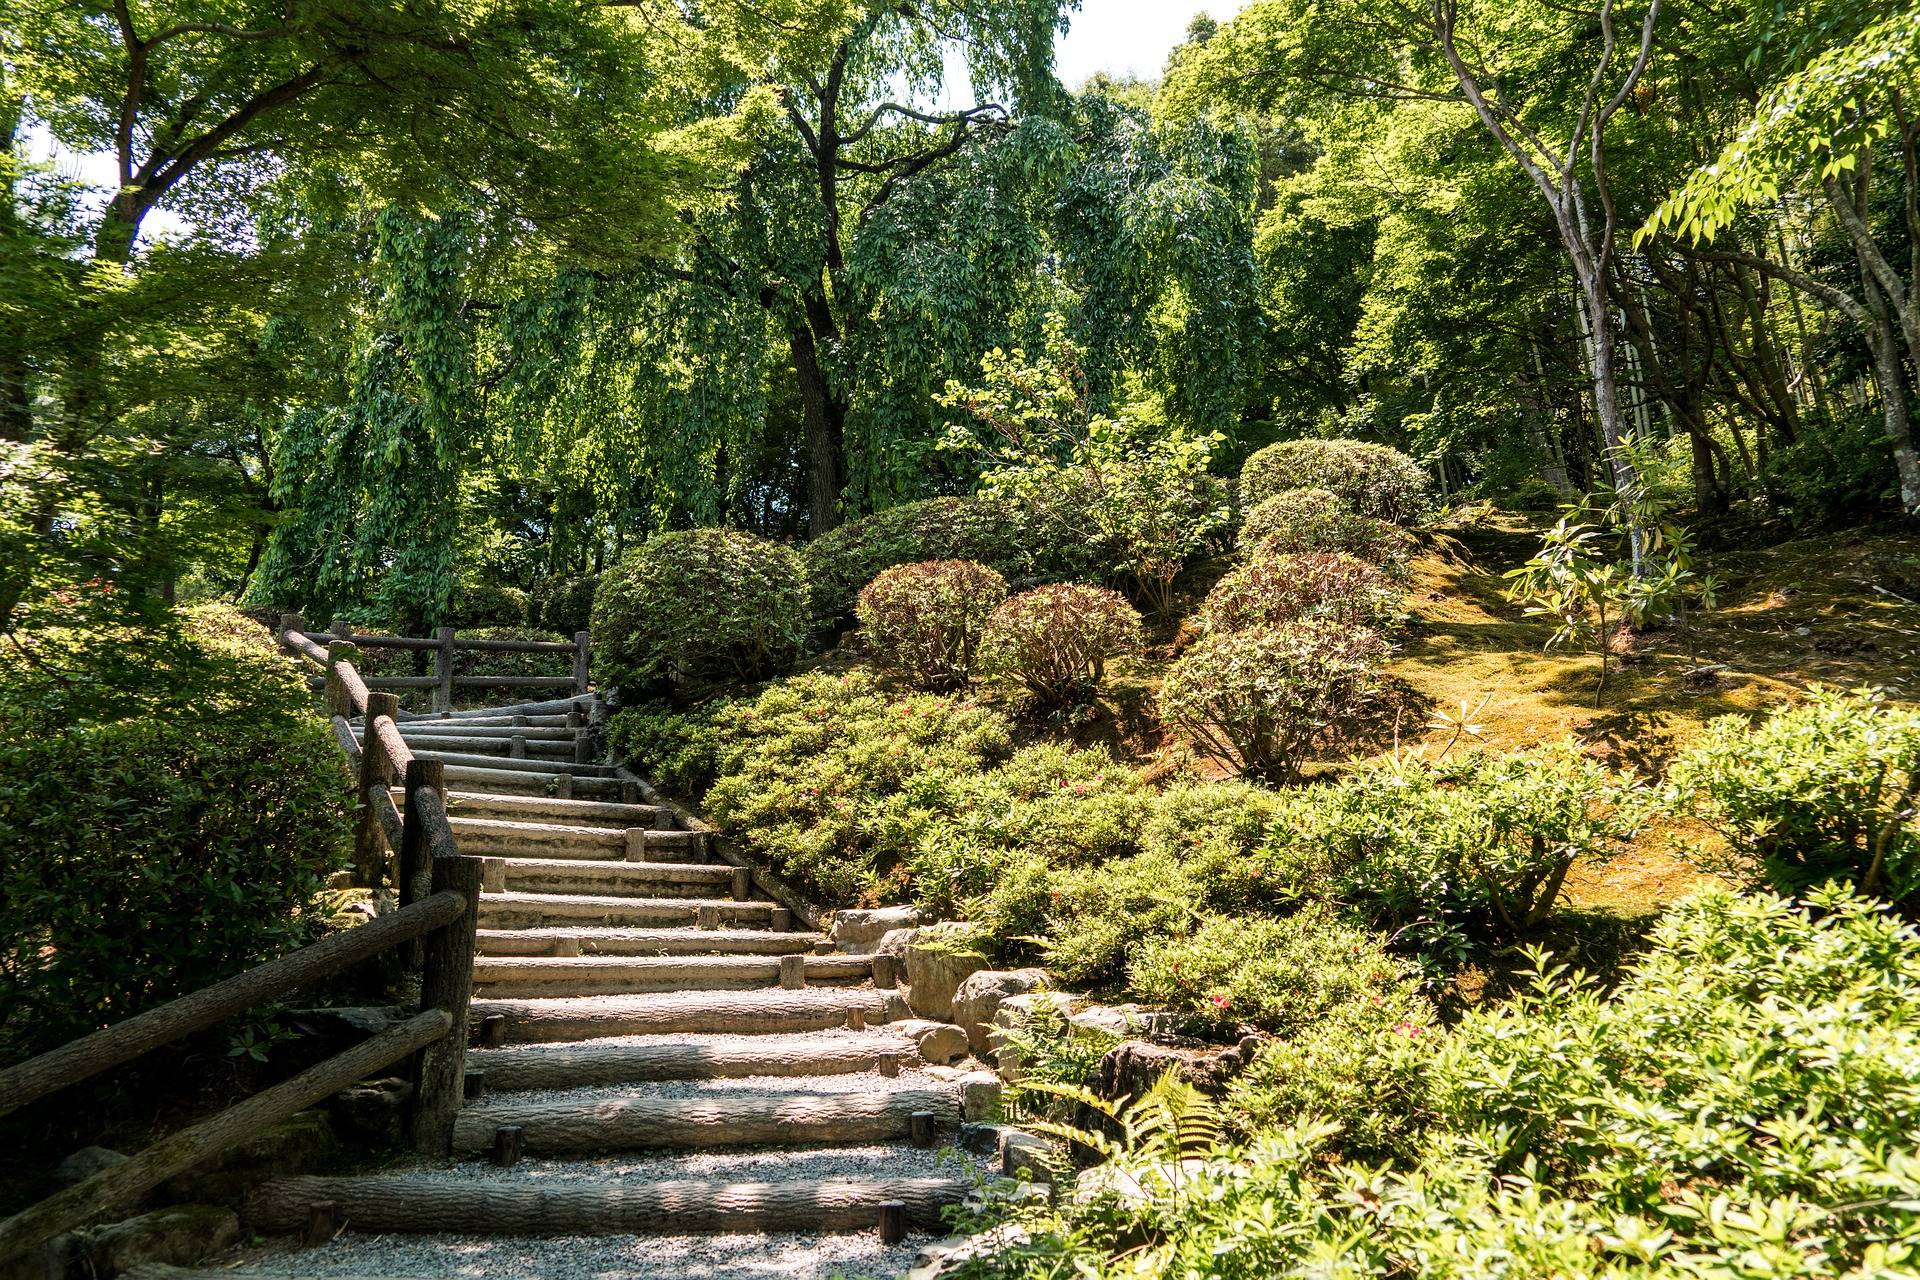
(647, 942)
(743, 1013)
(562, 1066)
(630, 978)
(532, 910)
(560, 1128)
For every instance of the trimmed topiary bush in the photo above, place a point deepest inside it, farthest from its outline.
(698, 607)
(1056, 639)
(565, 604)
(1273, 591)
(1258, 701)
(1306, 520)
(171, 800)
(488, 604)
(842, 561)
(1828, 790)
(925, 621)
(1374, 479)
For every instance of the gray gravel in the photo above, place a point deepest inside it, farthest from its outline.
(756, 1164)
(740, 1257)
(850, 1082)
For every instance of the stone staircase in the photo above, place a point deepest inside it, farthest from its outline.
(659, 1052)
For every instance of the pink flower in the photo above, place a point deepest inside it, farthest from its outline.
(1221, 1001)
(1409, 1030)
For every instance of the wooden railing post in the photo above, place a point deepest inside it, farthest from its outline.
(342, 629)
(416, 858)
(376, 773)
(292, 622)
(339, 701)
(446, 982)
(443, 670)
(580, 652)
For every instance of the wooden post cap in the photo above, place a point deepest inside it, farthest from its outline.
(474, 1085)
(793, 972)
(920, 1127)
(323, 1221)
(893, 1221)
(493, 1030)
(742, 884)
(780, 920)
(509, 1142)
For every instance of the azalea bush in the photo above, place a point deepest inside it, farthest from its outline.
(1259, 701)
(1280, 974)
(1056, 640)
(1272, 591)
(925, 621)
(565, 604)
(1375, 480)
(1307, 520)
(843, 560)
(1828, 790)
(703, 606)
(1481, 844)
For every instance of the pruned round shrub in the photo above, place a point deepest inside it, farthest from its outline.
(1374, 479)
(1303, 520)
(565, 604)
(1826, 790)
(842, 561)
(925, 620)
(1056, 639)
(166, 819)
(1258, 701)
(487, 604)
(697, 607)
(1273, 591)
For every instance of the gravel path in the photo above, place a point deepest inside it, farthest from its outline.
(756, 1164)
(774, 1257)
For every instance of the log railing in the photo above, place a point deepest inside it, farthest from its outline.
(433, 930)
(443, 644)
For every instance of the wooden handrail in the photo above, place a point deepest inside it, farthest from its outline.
(102, 1050)
(174, 1155)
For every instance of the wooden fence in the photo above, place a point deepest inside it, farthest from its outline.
(443, 645)
(433, 929)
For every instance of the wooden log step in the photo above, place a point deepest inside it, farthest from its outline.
(509, 782)
(614, 879)
(757, 1012)
(575, 813)
(684, 1057)
(502, 764)
(642, 942)
(505, 1205)
(547, 707)
(559, 840)
(513, 910)
(540, 976)
(733, 1117)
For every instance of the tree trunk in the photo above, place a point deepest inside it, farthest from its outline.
(825, 416)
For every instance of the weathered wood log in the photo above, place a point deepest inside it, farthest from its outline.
(376, 774)
(443, 670)
(349, 745)
(387, 814)
(521, 910)
(118, 1184)
(433, 821)
(604, 941)
(615, 879)
(512, 646)
(558, 1066)
(537, 977)
(732, 1119)
(88, 1056)
(446, 984)
(398, 755)
(512, 682)
(416, 841)
(402, 1202)
(505, 763)
(301, 645)
(747, 1012)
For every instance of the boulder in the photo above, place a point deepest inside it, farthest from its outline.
(1027, 1157)
(957, 1254)
(940, 1042)
(938, 961)
(979, 1096)
(1121, 1022)
(858, 931)
(1132, 1067)
(179, 1236)
(373, 1112)
(980, 995)
(894, 942)
(53, 1260)
(84, 1163)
